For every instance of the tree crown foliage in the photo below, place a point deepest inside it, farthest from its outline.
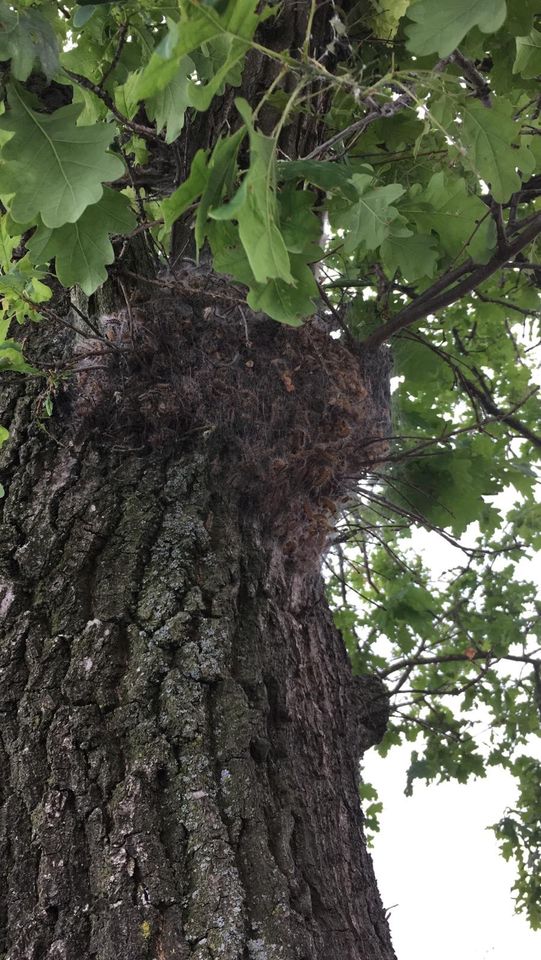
(414, 217)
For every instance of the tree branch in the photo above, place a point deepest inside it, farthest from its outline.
(147, 132)
(435, 298)
(455, 658)
(378, 113)
(476, 81)
(483, 395)
(122, 36)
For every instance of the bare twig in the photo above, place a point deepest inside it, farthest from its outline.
(456, 658)
(355, 129)
(147, 132)
(509, 306)
(122, 36)
(476, 81)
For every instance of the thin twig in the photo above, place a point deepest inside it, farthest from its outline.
(380, 113)
(147, 132)
(476, 81)
(483, 395)
(455, 658)
(122, 36)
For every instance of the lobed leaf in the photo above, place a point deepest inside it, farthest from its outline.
(27, 38)
(490, 136)
(83, 249)
(367, 222)
(255, 209)
(459, 218)
(52, 168)
(528, 58)
(440, 27)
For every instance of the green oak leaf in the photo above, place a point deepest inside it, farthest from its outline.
(367, 222)
(520, 15)
(221, 173)
(528, 58)
(138, 148)
(489, 136)
(198, 25)
(324, 174)
(459, 218)
(228, 254)
(93, 109)
(254, 207)
(83, 249)
(20, 288)
(11, 357)
(411, 253)
(229, 71)
(439, 27)
(163, 64)
(82, 14)
(51, 167)
(301, 228)
(176, 90)
(288, 303)
(386, 17)
(174, 206)
(534, 144)
(447, 488)
(212, 57)
(208, 178)
(126, 95)
(8, 242)
(285, 302)
(27, 37)
(168, 106)
(424, 372)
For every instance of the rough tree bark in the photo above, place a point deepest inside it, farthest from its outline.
(180, 730)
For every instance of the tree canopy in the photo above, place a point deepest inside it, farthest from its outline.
(413, 221)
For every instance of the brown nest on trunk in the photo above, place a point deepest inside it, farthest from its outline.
(291, 418)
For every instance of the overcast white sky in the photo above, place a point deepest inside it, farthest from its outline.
(434, 857)
(436, 861)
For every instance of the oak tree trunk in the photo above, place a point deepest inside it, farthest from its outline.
(180, 730)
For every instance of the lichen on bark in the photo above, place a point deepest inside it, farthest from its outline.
(180, 727)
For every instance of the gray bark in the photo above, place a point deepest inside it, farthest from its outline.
(179, 727)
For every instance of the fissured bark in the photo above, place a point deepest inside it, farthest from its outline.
(180, 729)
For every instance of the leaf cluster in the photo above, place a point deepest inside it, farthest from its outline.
(393, 187)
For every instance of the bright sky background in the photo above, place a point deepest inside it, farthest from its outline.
(434, 857)
(436, 861)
